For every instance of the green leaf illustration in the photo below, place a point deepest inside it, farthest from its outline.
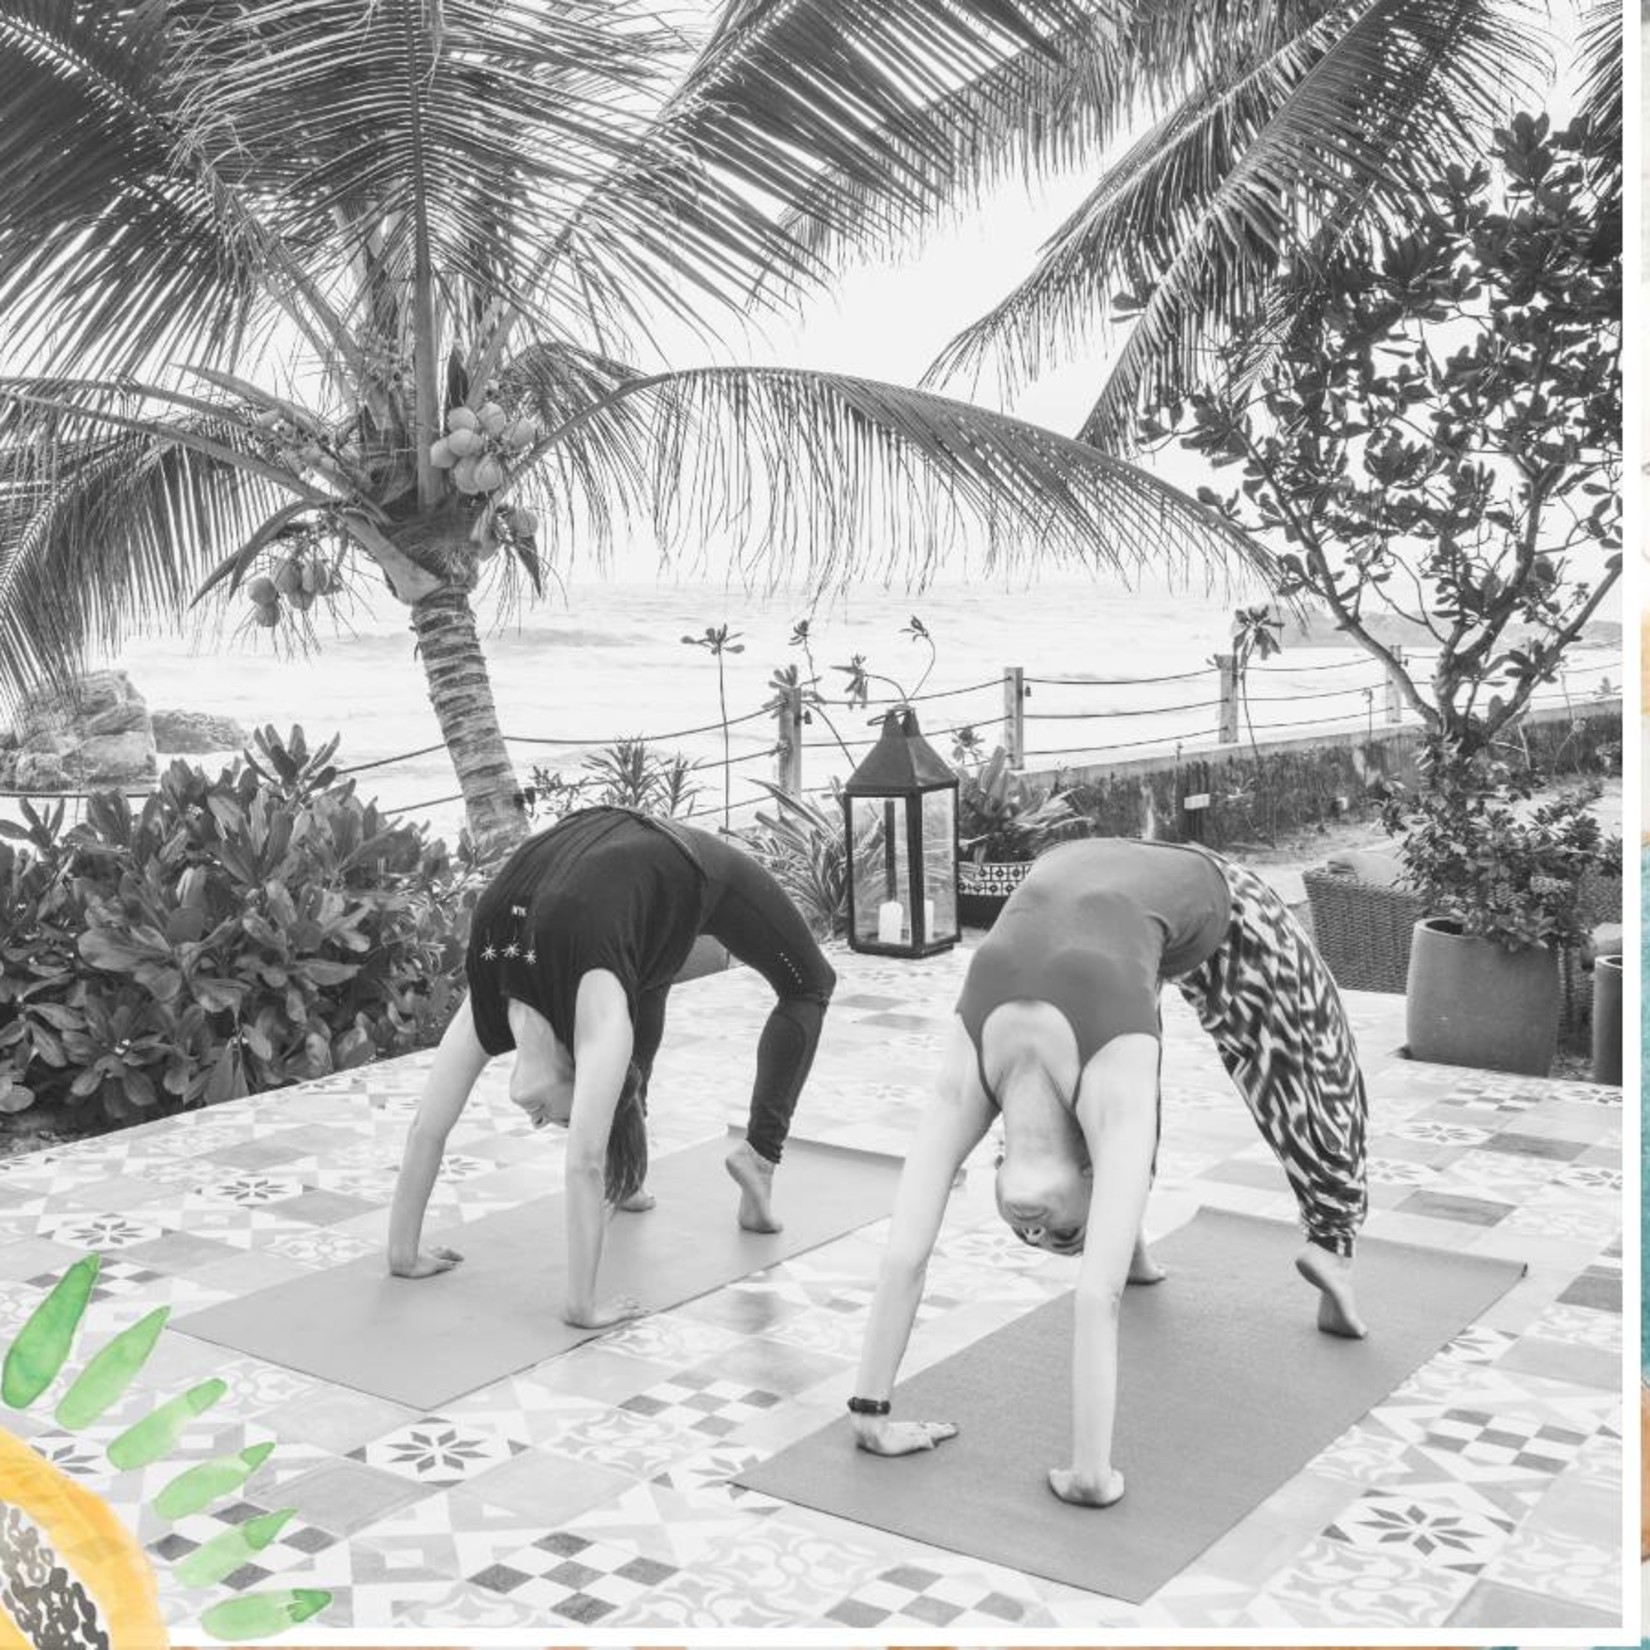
(263, 1615)
(110, 1371)
(209, 1563)
(199, 1486)
(157, 1433)
(43, 1344)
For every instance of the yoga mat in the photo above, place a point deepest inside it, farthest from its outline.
(1227, 1390)
(427, 1341)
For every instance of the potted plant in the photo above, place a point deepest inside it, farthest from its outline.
(1003, 823)
(1512, 889)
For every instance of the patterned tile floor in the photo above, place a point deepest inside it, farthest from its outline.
(593, 1491)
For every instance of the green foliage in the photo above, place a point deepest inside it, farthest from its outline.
(626, 774)
(1481, 853)
(231, 935)
(804, 846)
(1437, 437)
(1002, 817)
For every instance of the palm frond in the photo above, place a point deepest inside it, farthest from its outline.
(107, 521)
(1353, 108)
(111, 253)
(816, 107)
(768, 473)
(516, 112)
(1603, 50)
(1036, 111)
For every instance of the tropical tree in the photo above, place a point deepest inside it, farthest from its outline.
(1235, 144)
(314, 297)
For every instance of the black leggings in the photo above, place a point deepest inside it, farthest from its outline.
(747, 911)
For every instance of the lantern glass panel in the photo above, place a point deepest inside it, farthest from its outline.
(881, 870)
(939, 863)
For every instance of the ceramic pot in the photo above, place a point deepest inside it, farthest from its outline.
(983, 889)
(1607, 1020)
(1471, 1002)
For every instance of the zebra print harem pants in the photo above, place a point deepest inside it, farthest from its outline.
(1268, 1001)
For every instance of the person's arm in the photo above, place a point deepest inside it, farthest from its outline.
(952, 1125)
(1117, 1110)
(602, 1043)
(459, 1059)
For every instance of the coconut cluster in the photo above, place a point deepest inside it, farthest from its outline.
(297, 580)
(480, 445)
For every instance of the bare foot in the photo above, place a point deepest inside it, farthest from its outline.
(753, 1175)
(1331, 1276)
(1142, 1268)
(639, 1202)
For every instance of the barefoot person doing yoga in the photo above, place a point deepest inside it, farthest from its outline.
(1058, 1032)
(572, 952)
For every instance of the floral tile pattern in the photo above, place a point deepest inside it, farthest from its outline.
(595, 1492)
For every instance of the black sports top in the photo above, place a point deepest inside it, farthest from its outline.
(1095, 929)
(603, 888)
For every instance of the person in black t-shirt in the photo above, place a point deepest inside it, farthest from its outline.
(572, 952)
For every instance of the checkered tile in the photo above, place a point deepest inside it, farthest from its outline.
(713, 1408)
(911, 1594)
(1503, 1441)
(294, 1549)
(115, 1278)
(572, 1578)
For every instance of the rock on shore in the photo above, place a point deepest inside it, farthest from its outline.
(95, 731)
(195, 732)
(99, 731)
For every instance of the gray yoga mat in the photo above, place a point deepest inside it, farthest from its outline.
(424, 1343)
(1227, 1390)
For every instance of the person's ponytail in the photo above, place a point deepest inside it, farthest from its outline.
(627, 1142)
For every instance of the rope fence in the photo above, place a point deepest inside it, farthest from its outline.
(1013, 707)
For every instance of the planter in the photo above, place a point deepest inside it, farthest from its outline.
(1607, 1038)
(1470, 1002)
(983, 889)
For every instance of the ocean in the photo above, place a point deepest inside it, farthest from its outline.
(601, 660)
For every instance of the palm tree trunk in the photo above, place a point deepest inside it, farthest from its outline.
(462, 695)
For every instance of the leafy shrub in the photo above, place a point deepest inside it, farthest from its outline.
(1482, 854)
(804, 847)
(1003, 817)
(626, 774)
(231, 935)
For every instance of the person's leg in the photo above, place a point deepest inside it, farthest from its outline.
(1269, 1003)
(751, 915)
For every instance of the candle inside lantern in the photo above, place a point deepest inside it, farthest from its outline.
(890, 922)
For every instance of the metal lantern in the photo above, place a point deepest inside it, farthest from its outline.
(901, 820)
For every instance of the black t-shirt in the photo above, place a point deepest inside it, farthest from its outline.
(604, 888)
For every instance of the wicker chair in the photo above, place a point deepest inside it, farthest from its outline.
(1362, 927)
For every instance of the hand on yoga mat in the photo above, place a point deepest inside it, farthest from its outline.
(1084, 1489)
(604, 1313)
(884, 1437)
(426, 1263)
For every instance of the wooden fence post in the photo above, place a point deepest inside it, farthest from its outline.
(790, 742)
(1014, 714)
(1226, 664)
(1394, 694)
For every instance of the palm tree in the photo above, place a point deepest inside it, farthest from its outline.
(1238, 144)
(307, 296)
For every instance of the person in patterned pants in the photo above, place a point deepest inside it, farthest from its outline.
(1058, 1033)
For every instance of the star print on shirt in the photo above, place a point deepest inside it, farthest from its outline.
(489, 953)
(512, 950)
(530, 958)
